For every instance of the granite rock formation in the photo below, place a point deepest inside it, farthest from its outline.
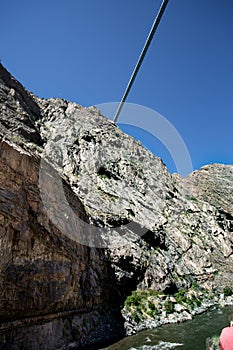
(87, 215)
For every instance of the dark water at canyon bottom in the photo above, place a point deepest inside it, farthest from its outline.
(190, 335)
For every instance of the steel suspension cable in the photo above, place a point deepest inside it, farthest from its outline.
(141, 57)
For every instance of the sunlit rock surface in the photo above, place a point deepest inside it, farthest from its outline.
(87, 215)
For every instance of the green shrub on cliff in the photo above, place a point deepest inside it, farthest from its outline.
(227, 291)
(169, 307)
(133, 300)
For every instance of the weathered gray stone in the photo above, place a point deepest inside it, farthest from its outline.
(145, 227)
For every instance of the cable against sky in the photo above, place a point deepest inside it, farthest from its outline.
(142, 56)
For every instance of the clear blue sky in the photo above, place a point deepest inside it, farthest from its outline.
(85, 50)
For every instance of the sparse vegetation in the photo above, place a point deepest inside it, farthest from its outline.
(133, 300)
(169, 306)
(143, 304)
(227, 291)
(213, 343)
(189, 297)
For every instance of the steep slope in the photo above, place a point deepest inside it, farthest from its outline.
(87, 215)
(213, 184)
(45, 277)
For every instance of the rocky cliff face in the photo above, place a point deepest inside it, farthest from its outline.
(45, 276)
(87, 215)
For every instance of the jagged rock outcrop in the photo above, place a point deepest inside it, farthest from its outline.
(42, 271)
(212, 183)
(87, 215)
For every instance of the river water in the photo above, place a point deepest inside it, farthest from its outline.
(190, 335)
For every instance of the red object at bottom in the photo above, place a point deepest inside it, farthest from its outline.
(226, 339)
